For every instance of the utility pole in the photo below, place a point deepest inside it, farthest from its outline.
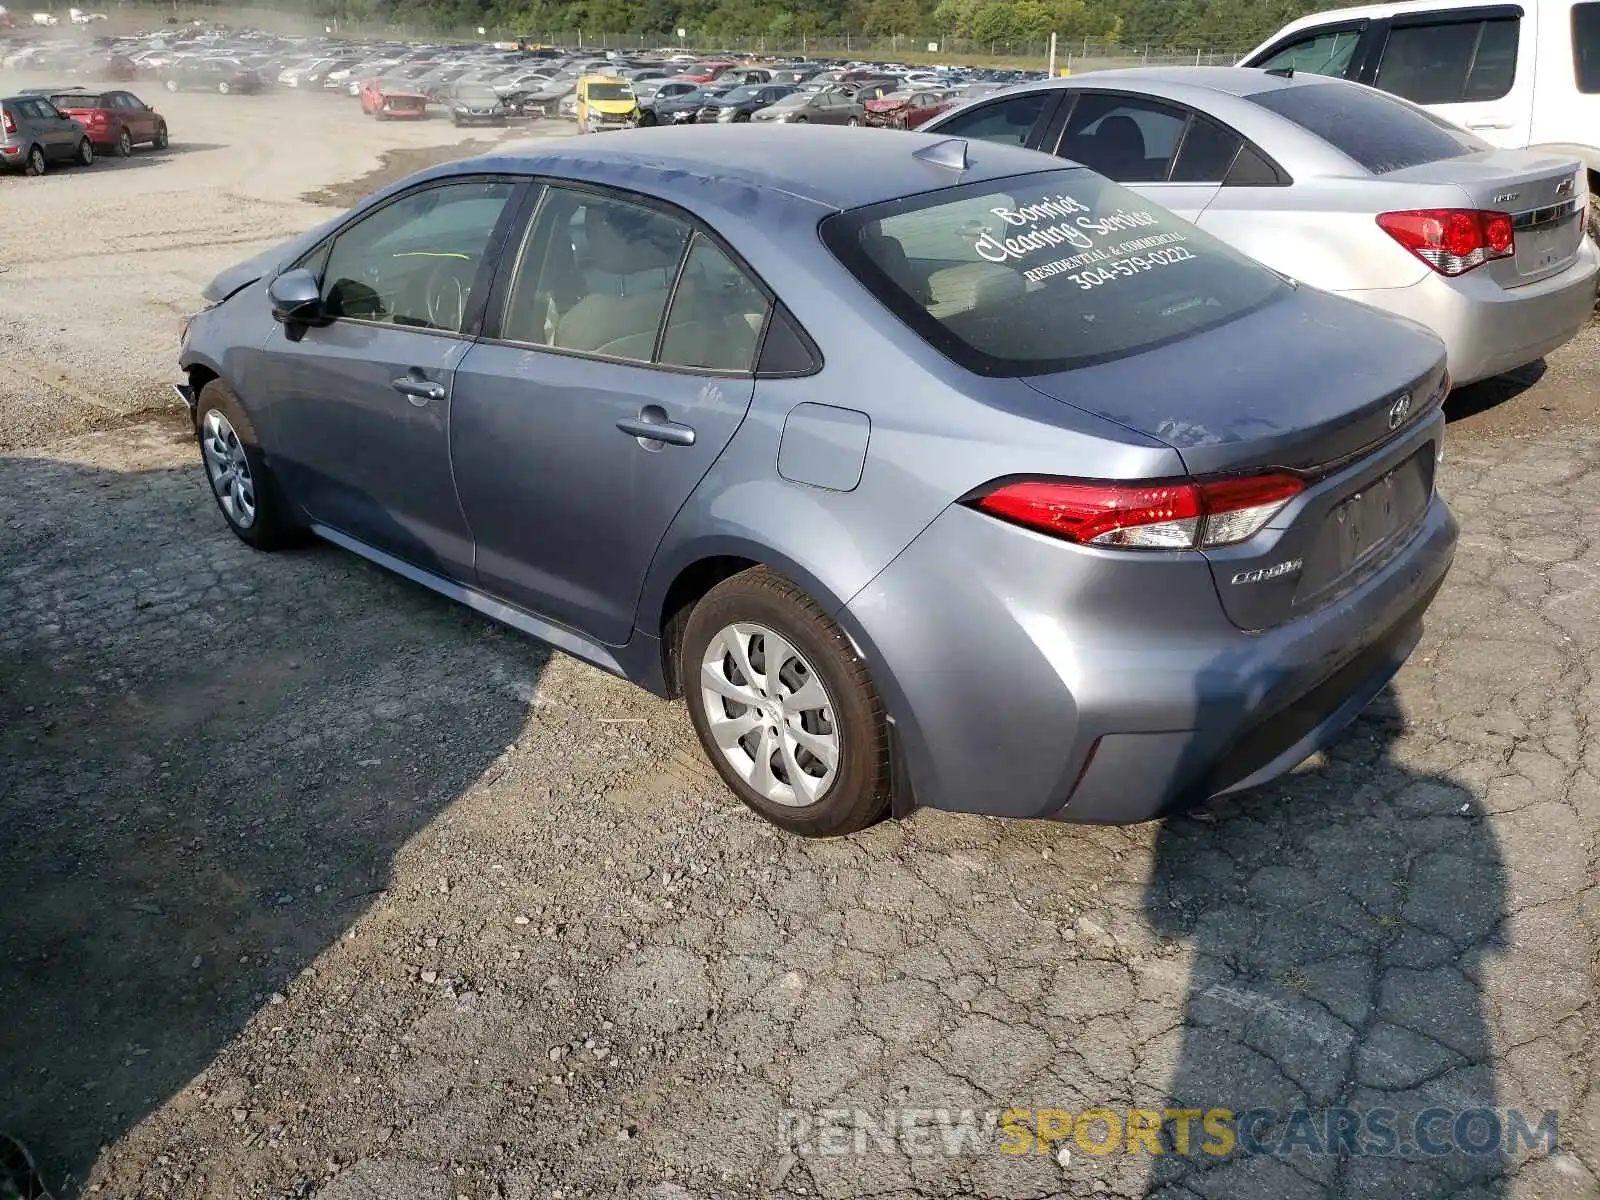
(1052, 71)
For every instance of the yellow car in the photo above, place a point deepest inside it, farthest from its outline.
(606, 102)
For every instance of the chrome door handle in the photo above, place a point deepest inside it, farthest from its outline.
(419, 390)
(1488, 124)
(652, 425)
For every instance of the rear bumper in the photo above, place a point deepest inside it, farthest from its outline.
(1028, 678)
(1489, 330)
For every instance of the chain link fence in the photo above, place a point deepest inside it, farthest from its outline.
(1071, 54)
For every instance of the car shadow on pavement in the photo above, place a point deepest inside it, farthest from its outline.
(1474, 398)
(1340, 923)
(145, 156)
(208, 759)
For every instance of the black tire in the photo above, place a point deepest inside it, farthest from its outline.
(161, 142)
(124, 145)
(172, 85)
(801, 120)
(35, 163)
(1594, 217)
(646, 119)
(853, 121)
(273, 527)
(859, 794)
(85, 153)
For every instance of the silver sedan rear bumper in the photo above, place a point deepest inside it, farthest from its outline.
(1490, 329)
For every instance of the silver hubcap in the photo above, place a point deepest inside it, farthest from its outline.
(229, 470)
(769, 715)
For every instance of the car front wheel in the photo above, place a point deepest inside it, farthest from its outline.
(160, 142)
(784, 707)
(241, 482)
(172, 85)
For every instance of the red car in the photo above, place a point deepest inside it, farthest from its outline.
(907, 110)
(116, 121)
(388, 100)
(705, 72)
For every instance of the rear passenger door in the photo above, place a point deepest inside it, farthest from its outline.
(1471, 66)
(617, 362)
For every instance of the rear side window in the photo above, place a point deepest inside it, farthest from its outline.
(1586, 47)
(1042, 273)
(1450, 63)
(1380, 133)
(1009, 121)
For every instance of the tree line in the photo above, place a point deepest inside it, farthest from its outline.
(1188, 24)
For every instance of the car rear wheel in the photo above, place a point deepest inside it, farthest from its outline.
(160, 142)
(124, 143)
(35, 164)
(172, 85)
(85, 152)
(853, 121)
(241, 482)
(223, 87)
(784, 707)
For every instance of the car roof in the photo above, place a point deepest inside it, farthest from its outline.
(1398, 7)
(1229, 81)
(820, 164)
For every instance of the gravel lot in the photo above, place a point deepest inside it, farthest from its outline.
(315, 884)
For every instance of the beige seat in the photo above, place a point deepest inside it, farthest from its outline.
(961, 289)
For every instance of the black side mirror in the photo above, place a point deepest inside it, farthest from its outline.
(296, 298)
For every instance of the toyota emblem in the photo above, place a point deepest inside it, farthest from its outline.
(1400, 410)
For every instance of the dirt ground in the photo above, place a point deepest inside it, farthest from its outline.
(317, 885)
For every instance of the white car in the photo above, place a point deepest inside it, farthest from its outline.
(1520, 76)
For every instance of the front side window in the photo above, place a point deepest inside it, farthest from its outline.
(1586, 47)
(1045, 272)
(1124, 138)
(1010, 121)
(415, 261)
(1326, 52)
(1450, 63)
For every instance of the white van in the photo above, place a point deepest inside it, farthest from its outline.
(1523, 74)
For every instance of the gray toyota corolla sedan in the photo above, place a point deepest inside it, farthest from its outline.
(930, 472)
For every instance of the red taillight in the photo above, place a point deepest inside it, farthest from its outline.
(1159, 515)
(10, 124)
(1452, 240)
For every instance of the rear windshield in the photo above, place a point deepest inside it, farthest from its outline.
(1381, 133)
(1042, 273)
(77, 100)
(610, 91)
(1586, 46)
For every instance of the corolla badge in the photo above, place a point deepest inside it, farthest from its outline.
(1266, 573)
(1400, 410)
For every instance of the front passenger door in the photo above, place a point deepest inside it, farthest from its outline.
(358, 411)
(1017, 120)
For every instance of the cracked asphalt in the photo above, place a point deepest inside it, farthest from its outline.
(316, 885)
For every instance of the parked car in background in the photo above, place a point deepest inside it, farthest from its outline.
(34, 134)
(681, 109)
(477, 104)
(740, 103)
(705, 72)
(814, 108)
(604, 103)
(115, 121)
(1340, 186)
(393, 100)
(908, 109)
(546, 101)
(1517, 75)
(667, 371)
(210, 75)
(658, 91)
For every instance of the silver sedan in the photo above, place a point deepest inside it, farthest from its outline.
(1340, 186)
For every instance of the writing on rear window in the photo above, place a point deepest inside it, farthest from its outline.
(1065, 220)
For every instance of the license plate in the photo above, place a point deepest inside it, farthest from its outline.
(1386, 507)
(1545, 247)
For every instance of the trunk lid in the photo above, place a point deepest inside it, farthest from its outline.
(1546, 195)
(1337, 392)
